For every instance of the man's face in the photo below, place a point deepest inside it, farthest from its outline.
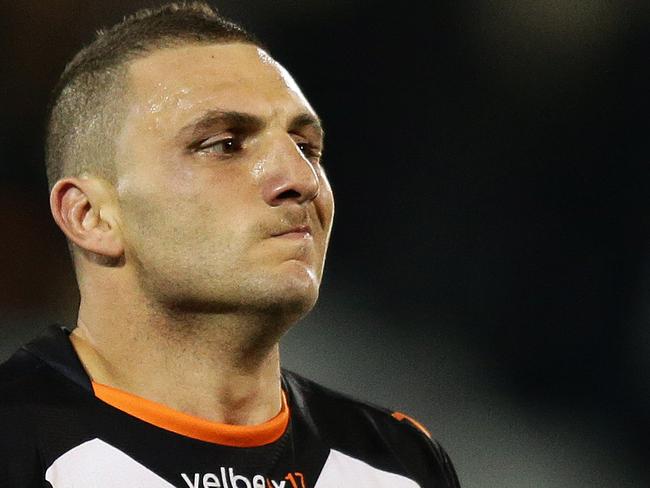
(223, 203)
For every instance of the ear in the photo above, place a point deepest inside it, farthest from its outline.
(83, 209)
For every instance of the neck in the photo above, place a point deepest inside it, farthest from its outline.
(222, 368)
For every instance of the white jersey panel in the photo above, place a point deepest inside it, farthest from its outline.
(343, 470)
(97, 464)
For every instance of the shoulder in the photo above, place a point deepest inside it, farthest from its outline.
(366, 431)
(21, 380)
(40, 377)
(30, 392)
(25, 384)
(339, 407)
(20, 376)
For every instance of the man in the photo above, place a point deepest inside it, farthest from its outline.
(184, 166)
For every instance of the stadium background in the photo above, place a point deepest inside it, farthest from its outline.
(489, 268)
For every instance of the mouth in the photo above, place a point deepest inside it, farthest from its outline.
(297, 232)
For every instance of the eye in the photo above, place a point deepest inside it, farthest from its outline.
(309, 150)
(225, 146)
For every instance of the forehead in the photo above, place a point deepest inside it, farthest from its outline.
(182, 81)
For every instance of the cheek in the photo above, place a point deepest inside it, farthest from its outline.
(325, 203)
(156, 213)
(149, 223)
(178, 236)
(186, 204)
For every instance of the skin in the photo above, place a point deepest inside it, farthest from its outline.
(211, 242)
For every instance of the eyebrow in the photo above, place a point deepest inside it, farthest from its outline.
(306, 120)
(246, 122)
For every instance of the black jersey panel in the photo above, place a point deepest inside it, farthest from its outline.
(54, 348)
(371, 434)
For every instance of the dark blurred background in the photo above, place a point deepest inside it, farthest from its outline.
(489, 270)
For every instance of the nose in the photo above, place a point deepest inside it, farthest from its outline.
(291, 177)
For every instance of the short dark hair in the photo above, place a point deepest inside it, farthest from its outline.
(86, 106)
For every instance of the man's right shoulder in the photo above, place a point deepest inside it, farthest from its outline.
(21, 374)
(22, 379)
(39, 369)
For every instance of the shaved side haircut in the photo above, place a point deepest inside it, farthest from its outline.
(88, 104)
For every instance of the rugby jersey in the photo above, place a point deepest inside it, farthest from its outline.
(58, 429)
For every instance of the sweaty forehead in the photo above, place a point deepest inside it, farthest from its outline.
(232, 76)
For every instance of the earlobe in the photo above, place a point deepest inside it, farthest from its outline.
(76, 206)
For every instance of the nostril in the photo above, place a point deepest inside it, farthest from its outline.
(280, 190)
(288, 194)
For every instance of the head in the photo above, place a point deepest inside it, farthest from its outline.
(185, 162)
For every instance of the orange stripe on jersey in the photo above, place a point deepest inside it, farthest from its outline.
(401, 416)
(195, 427)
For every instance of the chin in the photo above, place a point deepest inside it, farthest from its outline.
(289, 292)
(292, 294)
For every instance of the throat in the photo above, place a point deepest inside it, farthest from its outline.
(212, 381)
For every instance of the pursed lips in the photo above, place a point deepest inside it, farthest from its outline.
(296, 232)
